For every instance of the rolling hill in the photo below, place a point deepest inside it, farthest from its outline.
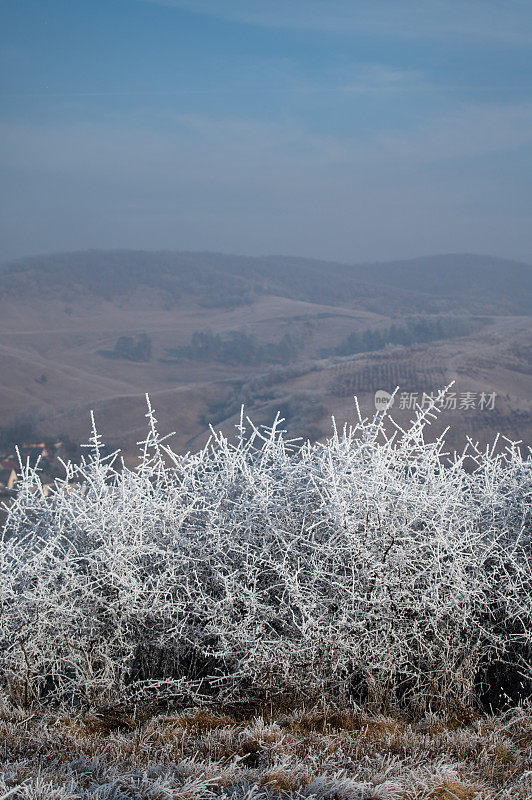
(298, 335)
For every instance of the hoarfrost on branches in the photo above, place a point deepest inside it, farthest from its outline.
(374, 566)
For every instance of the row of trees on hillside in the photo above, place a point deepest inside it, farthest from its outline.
(415, 330)
(238, 348)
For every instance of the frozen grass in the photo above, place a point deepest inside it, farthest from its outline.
(374, 569)
(197, 755)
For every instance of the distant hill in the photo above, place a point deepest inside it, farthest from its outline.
(436, 283)
(466, 277)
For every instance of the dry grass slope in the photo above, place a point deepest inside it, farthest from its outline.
(58, 313)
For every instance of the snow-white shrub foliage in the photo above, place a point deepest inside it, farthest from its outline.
(372, 567)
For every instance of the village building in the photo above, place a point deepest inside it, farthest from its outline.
(8, 479)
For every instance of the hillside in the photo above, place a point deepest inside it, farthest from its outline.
(298, 335)
(466, 278)
(220, 280)
(211, 280)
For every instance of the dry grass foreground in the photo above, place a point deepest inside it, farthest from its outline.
(200, 754)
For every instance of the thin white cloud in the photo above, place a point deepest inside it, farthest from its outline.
(380, 78)
(246, 186)
(468, 132)
(206, 145)
(500, 20)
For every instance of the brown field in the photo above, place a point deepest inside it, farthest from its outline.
(55, 327)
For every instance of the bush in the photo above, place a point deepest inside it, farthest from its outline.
(369, 567)
(132, 349)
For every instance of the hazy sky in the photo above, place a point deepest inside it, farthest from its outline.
(349, 129)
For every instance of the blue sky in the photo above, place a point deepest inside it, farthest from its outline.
(346, 129)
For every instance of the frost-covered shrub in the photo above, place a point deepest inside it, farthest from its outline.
(372, 567)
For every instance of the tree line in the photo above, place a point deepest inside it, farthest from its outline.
(238, 348)
(415, 330)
